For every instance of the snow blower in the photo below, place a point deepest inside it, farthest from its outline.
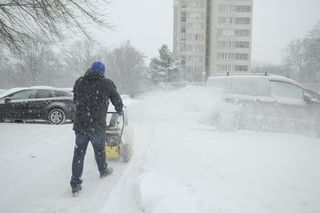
(119, 137)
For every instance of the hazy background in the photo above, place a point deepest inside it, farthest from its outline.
(149, 23)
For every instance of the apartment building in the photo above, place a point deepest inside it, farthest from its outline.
(212, 36)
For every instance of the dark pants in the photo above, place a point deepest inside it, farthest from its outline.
(82, 139)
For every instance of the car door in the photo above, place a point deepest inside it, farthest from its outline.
(16, 104)
(40, 100)
(292, 111)
(5, 109)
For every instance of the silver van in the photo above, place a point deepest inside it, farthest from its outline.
(269, 102)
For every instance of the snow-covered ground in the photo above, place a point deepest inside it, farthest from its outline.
(179, 165)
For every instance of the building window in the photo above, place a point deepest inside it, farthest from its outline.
(195, 26)
(227, 8)
(243, 21)
(194, 48)
(227, 20)
(195, 69)
(195, 58)
(225, 67)
(183, 4)
(232, 20)
(227, 44)
(195, 37)
(226, 56)
(183, 28)
(241, 56)
(242, 32)
(225, 33)
(195, 15)
(183, 46)
(183, 37)
(233, 44)
(196, 4)
(183, 16)
(242, 44)
(231, 56)
(243, 8)
(241, 68)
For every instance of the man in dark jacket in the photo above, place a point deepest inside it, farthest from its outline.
(92, 93)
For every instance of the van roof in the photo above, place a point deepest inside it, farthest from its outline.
(256, 75)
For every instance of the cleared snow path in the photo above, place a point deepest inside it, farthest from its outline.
(35, 166)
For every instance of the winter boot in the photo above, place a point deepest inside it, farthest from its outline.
(107, 172)
(76, 189)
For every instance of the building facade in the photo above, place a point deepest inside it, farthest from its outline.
(212, 36)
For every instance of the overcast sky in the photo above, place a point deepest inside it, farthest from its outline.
(149, 23)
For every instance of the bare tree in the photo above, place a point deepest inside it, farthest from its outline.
(297, 56)
(304, 55)
(36, 64)
(126, 67)
(80, 55)
(39, 20)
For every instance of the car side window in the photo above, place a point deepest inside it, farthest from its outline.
(40, 93)
(25, 94)
(253, 86)
(62, 94)
(286, 90)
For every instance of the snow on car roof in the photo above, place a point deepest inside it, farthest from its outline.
(17, 89)
(269, 76)
(51, 88)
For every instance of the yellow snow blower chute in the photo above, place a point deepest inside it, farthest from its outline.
(119, 137)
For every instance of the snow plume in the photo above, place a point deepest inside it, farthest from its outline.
(226, 112)
(188, 104)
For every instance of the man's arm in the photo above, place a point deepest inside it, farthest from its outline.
(115, 98)
(75, 91)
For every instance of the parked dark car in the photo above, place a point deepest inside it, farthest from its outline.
(37, 103)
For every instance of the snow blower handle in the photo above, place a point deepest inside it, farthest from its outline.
(114, 121)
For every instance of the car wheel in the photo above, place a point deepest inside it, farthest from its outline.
(56, 116)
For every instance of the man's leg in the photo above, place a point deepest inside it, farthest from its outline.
(98, 141)
(80, 149)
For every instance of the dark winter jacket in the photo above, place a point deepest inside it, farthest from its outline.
(91, 97)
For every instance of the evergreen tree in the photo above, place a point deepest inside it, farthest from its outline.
(165, 68)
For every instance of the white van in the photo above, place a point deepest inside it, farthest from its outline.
(270, 102)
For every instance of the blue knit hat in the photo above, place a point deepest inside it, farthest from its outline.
(99, 66)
